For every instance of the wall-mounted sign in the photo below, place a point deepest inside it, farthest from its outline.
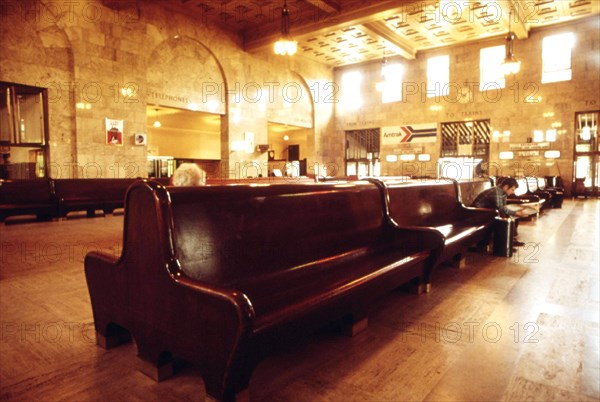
(528, 153)
(413, 133)
(408, 149)
(114, 131)
(530, 145)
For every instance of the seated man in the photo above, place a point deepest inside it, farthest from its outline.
(495, 198)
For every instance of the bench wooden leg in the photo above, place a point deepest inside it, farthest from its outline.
(352, 326)
(242, 396)
(416, 287)
(157, 373)
(459, 261)
(113, 340)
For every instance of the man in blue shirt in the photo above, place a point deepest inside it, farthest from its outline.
(495, 198)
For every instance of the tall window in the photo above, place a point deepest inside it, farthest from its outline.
(391, 88)
(351, 96)
(491, 75)
(438, 76)
(556, 57)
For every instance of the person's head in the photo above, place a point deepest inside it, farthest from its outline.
(508, 185)
(189, 174)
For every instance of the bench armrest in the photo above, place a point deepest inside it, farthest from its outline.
(238, 300)
(486, 210)
(418, 238)
(475, 211)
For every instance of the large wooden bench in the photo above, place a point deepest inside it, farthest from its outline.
(28, 197)
(221, 275)
(434, 205)
(90, 195)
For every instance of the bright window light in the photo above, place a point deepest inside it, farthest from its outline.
(552, 154)
(438, 76)
(538, 136)
(424, 157)
(550, 135)
(407, 157)
(391, 158)
(391, 90)
(351, 96)
(491, 75)
(507, 155)
(556, 57)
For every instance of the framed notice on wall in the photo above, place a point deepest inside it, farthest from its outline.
(114, 131)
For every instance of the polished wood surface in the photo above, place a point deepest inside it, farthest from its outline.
(439, 210)
(53, 198)
(415, 348)
(223, 275)
(28, 197)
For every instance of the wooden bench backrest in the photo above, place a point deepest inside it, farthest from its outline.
(522, 189)
(93, 189)
(541, 183)
(532, 184)
(37, 191)
(430, 203)
(259, 180)
(470, 189)
(223, 234)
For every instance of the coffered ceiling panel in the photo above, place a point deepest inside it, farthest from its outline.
(342, 32)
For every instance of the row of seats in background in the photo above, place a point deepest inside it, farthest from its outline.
(55, 198)
(547, 191)
(537, 192)
(48, 199)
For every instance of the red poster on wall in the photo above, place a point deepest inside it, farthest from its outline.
(114, 131)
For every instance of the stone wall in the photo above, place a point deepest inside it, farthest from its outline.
(99, 63)
(522, 106)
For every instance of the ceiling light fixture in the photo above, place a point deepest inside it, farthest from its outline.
(285, 45)
(156, 123)
(510, 65)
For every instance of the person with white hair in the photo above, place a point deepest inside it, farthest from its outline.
(189, 174)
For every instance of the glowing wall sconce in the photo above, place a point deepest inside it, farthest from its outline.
(424, 157)
(507, 155)
(552, 154)
(391, 158)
